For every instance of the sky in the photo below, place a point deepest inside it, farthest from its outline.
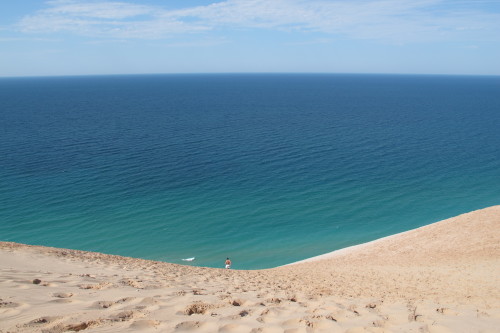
(94, 37)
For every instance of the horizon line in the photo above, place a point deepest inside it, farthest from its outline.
(244, 73)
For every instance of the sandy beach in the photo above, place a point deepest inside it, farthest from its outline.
(444, 277)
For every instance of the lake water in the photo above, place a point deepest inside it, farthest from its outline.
(266, 169)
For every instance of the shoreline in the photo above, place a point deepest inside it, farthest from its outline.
(442, 277)
(347, 250)
(361, 247)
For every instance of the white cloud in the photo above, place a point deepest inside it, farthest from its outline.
(104, 10)
(388, 20)
(24, 39)
(105, 19)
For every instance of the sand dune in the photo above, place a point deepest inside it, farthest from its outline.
(444, 277)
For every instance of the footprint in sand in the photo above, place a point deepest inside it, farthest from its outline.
(98, 286)
(269, 329)
(11, 308)
(125, 300)
(61, 301)
(273, 315)
(127, 303)
(238, 316)
(324, 325)
(359, 329)
(149, 304)
(197, 308)
(9, 305)
(233, 328)
(76, 326)
(237, 302)
(42, 321)
(273, 300)
(197, 326)
(144, 324)
(148, 301)
(62, 295)
(294, 322)
(446, 311)
(297, 330)
(103, 304)
(138, 284)
(126, 315)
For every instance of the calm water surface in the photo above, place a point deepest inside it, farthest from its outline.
(265, 169)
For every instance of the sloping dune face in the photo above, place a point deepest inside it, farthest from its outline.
(439, 278)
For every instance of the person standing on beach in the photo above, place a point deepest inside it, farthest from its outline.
(228, 263)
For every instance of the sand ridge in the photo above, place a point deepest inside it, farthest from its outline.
(439, 278)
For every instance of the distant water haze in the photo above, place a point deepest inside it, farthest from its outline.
(266, 169)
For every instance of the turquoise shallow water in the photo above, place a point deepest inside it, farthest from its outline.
(265, 169)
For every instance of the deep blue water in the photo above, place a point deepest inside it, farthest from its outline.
(265, 169)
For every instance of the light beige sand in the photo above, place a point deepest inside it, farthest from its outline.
(444, 277)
